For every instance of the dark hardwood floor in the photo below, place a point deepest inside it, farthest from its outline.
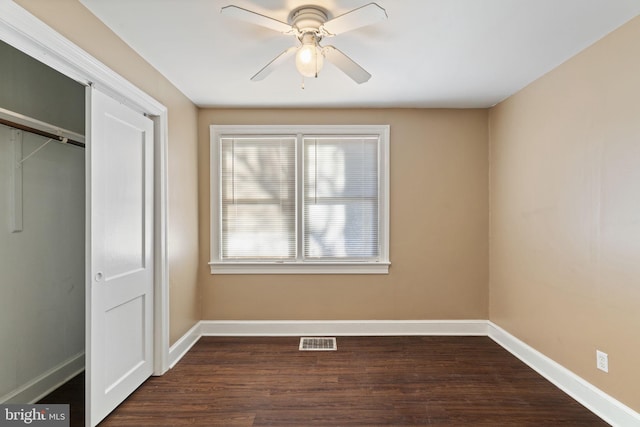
(71, 393)
(372, 381)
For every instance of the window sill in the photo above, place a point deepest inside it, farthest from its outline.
(308, 268)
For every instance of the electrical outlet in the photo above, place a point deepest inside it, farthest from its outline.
(602, 361)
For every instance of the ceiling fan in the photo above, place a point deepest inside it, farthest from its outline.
(310, 24)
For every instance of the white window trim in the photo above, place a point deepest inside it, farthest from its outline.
(308, 267)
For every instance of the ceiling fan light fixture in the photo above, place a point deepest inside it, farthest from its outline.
(309, 58)
(310, 24)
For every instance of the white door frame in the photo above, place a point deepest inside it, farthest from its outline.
(30, 35)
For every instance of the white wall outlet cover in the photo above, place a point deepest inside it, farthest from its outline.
(602, 361)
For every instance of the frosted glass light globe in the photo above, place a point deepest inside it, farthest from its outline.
(309, 60)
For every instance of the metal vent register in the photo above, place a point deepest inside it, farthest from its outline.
(318, 344)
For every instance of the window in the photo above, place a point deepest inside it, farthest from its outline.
(299, 199)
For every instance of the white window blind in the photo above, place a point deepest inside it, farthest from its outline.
(258, 198)
(299, 199)
(341, 198)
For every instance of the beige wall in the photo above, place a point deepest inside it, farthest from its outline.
(565, 213)
(439, 226)
(75, 22)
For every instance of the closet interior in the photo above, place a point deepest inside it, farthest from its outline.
(42, 227)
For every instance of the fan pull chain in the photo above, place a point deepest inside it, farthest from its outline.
(302, 84)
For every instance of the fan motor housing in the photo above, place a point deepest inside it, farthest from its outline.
(308, 18)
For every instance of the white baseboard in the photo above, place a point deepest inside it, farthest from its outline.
(44, 384)
(594, 399)
(606, 407)
(279, 328)
(184, 344)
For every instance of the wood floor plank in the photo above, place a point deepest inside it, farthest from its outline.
(71, 393)
(369, 381)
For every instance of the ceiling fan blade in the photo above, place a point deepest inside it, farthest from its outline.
(346, 64)
(256, 18)
(360, 17)
(260, 75)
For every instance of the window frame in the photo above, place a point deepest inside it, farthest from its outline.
(299, 266)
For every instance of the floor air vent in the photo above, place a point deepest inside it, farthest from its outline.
(318, 344)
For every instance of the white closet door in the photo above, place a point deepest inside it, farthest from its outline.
(120, 253)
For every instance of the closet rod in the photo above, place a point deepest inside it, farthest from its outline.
(39, 132)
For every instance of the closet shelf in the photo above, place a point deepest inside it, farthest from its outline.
(28, 124)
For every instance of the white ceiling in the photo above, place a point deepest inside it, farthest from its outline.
(428, 53)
